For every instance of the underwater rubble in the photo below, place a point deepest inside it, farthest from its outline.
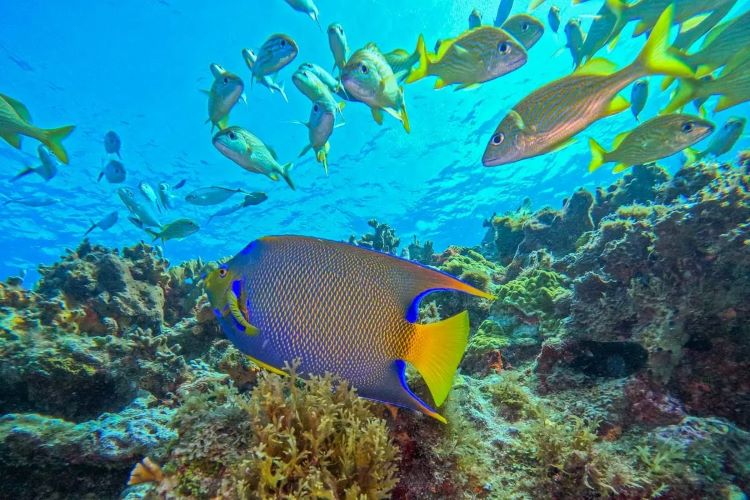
(613, 364)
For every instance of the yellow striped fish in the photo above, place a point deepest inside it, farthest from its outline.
(549, 117)
(652, 140)
(476, 56)
(15, 121)
(341, 309)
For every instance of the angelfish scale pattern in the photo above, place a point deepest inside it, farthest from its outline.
(342, 318)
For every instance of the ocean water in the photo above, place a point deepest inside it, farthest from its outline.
(137, 68)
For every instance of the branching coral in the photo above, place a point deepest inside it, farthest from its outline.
(291, 437)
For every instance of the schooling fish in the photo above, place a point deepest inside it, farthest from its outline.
(548, 118)
(650, 141)
(320, 127)
(113, 171)
(251, 199)
(180, 184)
(175, 230)
(32, 201)
(368, 78)
(225, 91)
(307, 7)
(722, 141)
(136, 207)
(149, 193)
(553, 18)
(339, 47)
(48, 168)
(313, 88)
(733, 84)
(251, 153)
(638, 97)
(107, 221)
(574, 40)
(503, 11)
(324, 76)
(401, 62)
(524, 28)
(267, 81)
(15, 121)
(600, 31)
(211, 195)
(474, 57)
(275, 53)
(688, 35)
(475, 18)
(112, 143)
(341, 309)
(166, 197)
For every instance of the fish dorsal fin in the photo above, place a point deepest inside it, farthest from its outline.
(20, 109)
(619, 138)
(399, 52)
(371, 46)
(597, 66)
(517, 119)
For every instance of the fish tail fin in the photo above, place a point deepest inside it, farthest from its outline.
(598, 155)
(688, 90)
(656, 57)
(305, 150)
(322, 157)
(53, 138)
(93, 225)
(403, 114)
(285, 174)
(422, 69)
(283, 92)
(692, 155)
(152, 233)
(222, 123)
(26, 171)
(436, 351)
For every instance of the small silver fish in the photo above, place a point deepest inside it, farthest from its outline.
(306, 7)
(112, 143)
(251, 199)
(137, 207)
(32, 201)
(339, 46)
(166, 197)
(275, 53)
(638, 97)
(113, 171)
(105, 223)
(48, 168)
(150, 194)
(267, 80)
(324, 76)
(211, 195)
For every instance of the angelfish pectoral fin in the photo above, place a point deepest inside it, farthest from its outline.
(234, 309)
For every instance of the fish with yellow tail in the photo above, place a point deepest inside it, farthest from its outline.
(341, 309)
(250, 153)
(652, 140)
(225, 91)
(733, 84)
(476, 56)
(368, 78)
(15, 121)
(548, 118)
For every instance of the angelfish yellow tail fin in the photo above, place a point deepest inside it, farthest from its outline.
(436, 350)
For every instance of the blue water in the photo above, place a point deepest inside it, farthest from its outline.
(136, 67)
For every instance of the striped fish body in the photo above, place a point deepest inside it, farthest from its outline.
(524, 28)
(340, 309)
(380, 89)
(555, 113)
(721, 45)
(275, 53)
(657, 138)
(646, 12)
(476, 56)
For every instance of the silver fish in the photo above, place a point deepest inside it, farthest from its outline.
(112, 143)
(105, 223)
(48, 168)
(113, 171)
(211, 195)
(137, 207)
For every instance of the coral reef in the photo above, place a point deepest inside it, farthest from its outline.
(612, 364)
(383, 238)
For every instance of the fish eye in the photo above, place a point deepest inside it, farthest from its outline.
(363, 68)
(687, 127)
(222, 273)
(524, 26)
(232, 136)
(498, 138)
(315, 108)
(283, 43)
(226, 80)
(504, 48)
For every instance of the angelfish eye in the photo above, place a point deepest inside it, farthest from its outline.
(232, 136)
(524, 26)
(687, 127)
(222, 273)
(363, 68)
(498, 138)
(504, 48)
